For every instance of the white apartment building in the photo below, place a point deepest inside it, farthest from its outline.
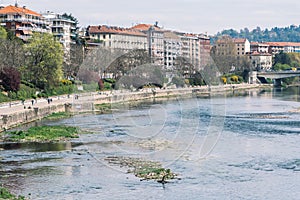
(191, 48)
(117, 38)
(22, 21)
(259, 47)
(155, 41)
(260, 61)
(63, 29)
(286, 47)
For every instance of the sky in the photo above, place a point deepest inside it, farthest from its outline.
(194, 16)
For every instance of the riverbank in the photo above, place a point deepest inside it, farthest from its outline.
(16, 114)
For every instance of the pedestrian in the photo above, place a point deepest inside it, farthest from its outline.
(32, 101)
(48, 101)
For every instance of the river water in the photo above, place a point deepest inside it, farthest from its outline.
(235, 146)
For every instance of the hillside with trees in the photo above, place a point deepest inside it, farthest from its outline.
(276, 34)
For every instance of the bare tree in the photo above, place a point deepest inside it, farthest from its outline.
(12, 53)
(224, 54)
(73, 60)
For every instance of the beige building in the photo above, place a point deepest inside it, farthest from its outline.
(242, 46)
(117, 38)
(231, 46)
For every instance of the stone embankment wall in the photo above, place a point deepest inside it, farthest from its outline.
(28, 115)
(86, 102)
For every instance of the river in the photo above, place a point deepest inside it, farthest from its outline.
(235, 146)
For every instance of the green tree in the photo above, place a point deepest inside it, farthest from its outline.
(279, 66)
(3, 33)
(282, 58)
(44, 61)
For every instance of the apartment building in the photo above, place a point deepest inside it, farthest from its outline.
(117, 38)
(286, 47)
(205, 48)
(22, 21)
(242, 46)
(63, 29)
(260, 61)
(259, 47)
(163, 46)
(155, 41)
(232, 46)
(172, 49)
(191, 48)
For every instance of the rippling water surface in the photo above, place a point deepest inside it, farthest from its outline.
(239, 147)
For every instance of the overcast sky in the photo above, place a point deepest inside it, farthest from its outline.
(197, 16)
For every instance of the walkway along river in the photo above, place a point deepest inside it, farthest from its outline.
(256, 155)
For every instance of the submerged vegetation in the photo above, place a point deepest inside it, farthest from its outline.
(5, 194)
(145, 170)
(43, 134)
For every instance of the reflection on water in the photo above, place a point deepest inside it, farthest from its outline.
(256, 157)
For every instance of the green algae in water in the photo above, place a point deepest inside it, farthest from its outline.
(5, 194)
(44, 134)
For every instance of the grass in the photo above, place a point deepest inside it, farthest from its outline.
(44, 134)
(5, 194)
(59, 115)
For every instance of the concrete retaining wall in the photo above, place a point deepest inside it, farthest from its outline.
(27, 116)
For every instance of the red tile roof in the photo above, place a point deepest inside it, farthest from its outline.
(145, 27)
(115, 30)
(284, 44)
(18, 10)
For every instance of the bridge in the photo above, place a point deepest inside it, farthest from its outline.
(277, 76)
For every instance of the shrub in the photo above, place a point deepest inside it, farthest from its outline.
(234, 78)
(179, 82)
(224, 79)
(66, 82)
